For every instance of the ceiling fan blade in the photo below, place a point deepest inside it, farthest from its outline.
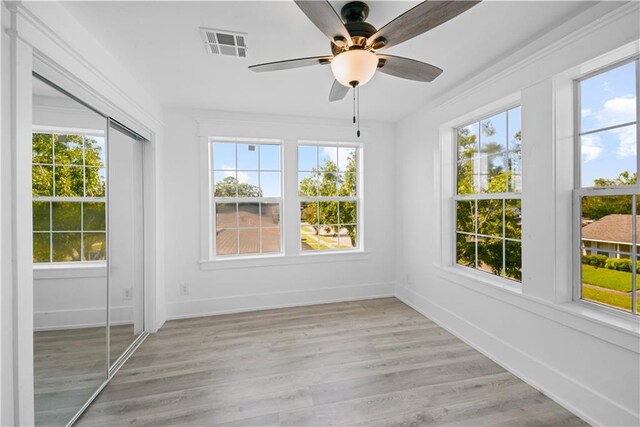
(406, 68)
(422, 18)
(291, 63)
(322, 14)
(337, 91)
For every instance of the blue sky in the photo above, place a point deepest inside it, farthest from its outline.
(608, 99)
(255, 164)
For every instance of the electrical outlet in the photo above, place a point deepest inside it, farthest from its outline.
(126, 294)
(184, 289)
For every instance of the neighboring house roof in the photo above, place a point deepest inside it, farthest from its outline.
(611, 228)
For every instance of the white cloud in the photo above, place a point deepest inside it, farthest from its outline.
(591, 147)
(340, 158)
(585, 112)
(627, 142)
(231, 171)
(616, 111)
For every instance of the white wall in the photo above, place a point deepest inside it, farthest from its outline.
(588, 362)
(238, 286)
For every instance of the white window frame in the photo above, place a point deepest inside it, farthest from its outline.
(84, 199)
(213, 199)
(481, 196)
(579, 191)
(358, 198)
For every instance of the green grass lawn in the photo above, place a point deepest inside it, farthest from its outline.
(616, 300)
(605, 278)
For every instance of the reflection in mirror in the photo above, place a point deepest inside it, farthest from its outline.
(69, 231)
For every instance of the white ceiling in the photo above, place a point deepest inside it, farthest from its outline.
(160, 43)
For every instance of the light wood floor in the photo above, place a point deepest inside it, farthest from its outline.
(373, 363)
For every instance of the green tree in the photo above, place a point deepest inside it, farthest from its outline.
(229, 185)
(596, 207)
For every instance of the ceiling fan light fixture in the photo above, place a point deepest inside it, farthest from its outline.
(356, 65)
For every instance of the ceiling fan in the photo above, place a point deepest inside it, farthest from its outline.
(355, 43)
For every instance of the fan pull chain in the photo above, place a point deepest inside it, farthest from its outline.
(354, 105)
(358, 110)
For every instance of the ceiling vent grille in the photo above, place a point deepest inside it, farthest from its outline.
(221, 42)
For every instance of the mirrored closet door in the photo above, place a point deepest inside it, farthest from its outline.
(87, 251)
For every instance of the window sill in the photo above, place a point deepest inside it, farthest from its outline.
(69, 270)
(621, 330)
(278, 260)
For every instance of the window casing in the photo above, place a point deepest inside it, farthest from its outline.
(606, 191)
(329, 196)
(246, 196)
(487, 200)
(69, 196)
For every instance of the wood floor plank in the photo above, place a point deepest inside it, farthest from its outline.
(373, 363)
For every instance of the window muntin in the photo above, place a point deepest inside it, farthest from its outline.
(68, 190)
(487, 201)
(607, 197)
(329, 197)
(246, 196)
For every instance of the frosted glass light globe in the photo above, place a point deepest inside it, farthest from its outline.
(357, 65)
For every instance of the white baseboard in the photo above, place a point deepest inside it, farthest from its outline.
(80, 318)
(255, 302)
(571, 394)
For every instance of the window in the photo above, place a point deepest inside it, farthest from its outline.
(68, 187)
(247, 196)
(328, 190)
(606, 191)
(487, 200)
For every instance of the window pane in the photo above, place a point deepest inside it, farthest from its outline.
(248, 215)
(490, 217)
(42, 148)
(225, 184)
(347, 184)
(348, 212)
(226, 241)
(346, 159)
(309, 213)
(609, 158)
(307, 158)
(270, 214)
(490, 255)
(515, 172)
(348, 237)
(513, 219)
(328, 184)
(467, 181)
(468, 141)
(513, 260)
(66, 247)
(608, 283)
(226, 215)
(269, 157)
(41, 247)
(328, 237)
(224, 156)
(328, 212)
(249, 240)
(308, 238)
(69, 181)
(466, 250)
(308, 184)
(270, 239)
(41, 216)
(94, 151)
(493, 137)
(95, 181)
(42, 180)
(270, 184)
(68, 149)
(493, 167)
(465, 216)
(515, 125)
(94, 216)
(247, 157)
(328, 158)
(94, 246)
(248, 184)
(66, 217)
(609, 99)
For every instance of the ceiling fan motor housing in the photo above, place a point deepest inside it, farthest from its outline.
(354, 15)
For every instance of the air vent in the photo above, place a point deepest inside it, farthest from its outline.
(222, 42)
